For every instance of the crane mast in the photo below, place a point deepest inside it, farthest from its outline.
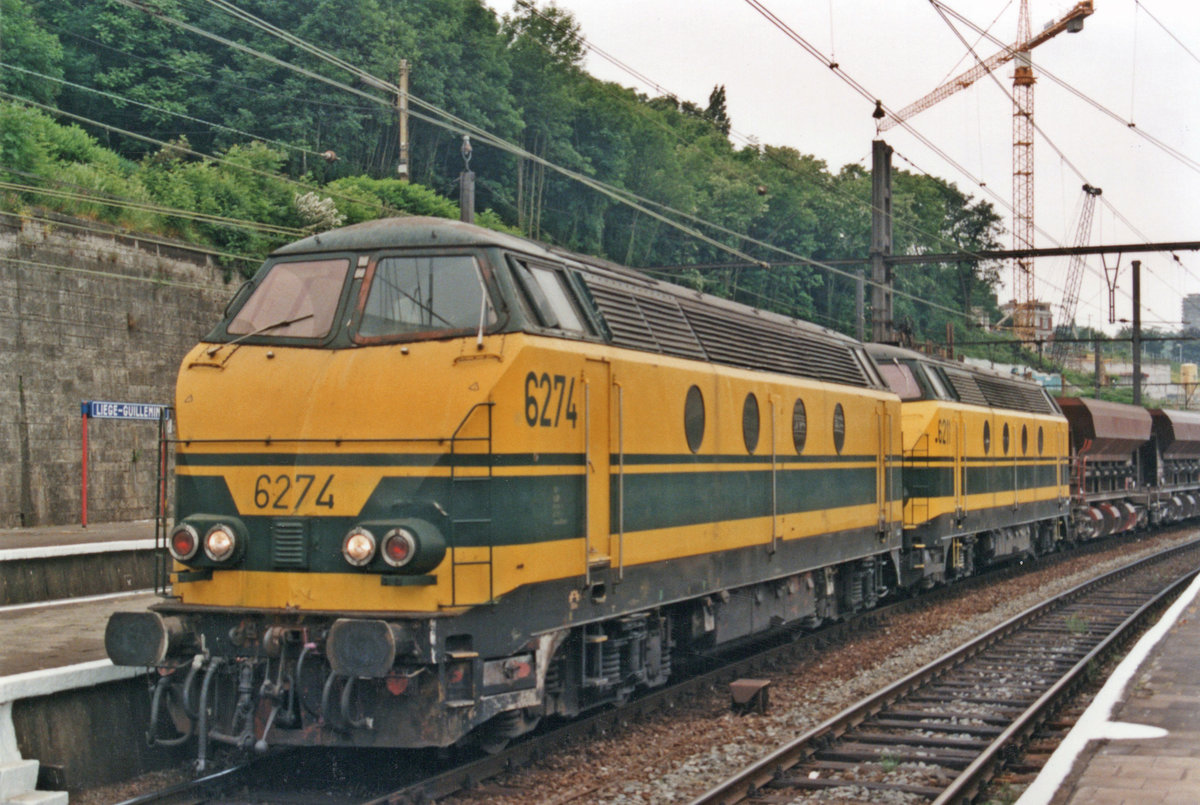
(1024, 291)
(1074, 274)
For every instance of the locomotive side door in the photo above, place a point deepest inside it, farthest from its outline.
(883, 465)
(958, 447)
(598, 392)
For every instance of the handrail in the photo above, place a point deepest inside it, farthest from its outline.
(162, 560)
(587, 497)
(774, 480)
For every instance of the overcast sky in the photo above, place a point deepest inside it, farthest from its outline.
(901, 49)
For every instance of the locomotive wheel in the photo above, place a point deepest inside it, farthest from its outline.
(494, 736)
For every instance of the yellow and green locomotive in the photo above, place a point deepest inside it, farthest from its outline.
(434, 483)
(985, 466)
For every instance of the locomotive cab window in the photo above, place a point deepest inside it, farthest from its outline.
(294, 300)
(425, 294)
(901, 380)
(940, 388)
(549, 297)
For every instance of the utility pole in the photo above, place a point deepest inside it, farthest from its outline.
(1137, 332)
(402, 108)
(882, 320)
(860, 314)
(466, 185)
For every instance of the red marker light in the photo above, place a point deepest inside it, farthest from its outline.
(184, 542)
(399, 547)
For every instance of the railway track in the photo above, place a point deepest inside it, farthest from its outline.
(940, 734)
(436, 780)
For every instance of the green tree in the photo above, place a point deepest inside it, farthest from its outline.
(26, 45)
(716, 113)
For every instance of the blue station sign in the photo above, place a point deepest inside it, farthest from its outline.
(101, 409)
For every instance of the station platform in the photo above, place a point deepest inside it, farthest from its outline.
(18, 543)
(58, 587)
(1138, 743)
(60, 562)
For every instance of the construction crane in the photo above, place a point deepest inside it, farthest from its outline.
(1024, 293)
(1083, 233)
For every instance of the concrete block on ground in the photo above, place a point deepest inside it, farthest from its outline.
(38, 798)
(17, 777)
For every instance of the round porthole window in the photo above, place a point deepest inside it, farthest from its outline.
(693, 418)
(799, 425)
(750, 422)
(839, 428)
(1006, 438)
(987, 437)
(1041, 441)
(1024, 440)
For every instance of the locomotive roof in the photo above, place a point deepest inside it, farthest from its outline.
(977, 386)
(416, 230)
(419, 230)
(642, 313)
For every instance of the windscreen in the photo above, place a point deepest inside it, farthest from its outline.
(295, 300)
(410, 295)
(900, 379)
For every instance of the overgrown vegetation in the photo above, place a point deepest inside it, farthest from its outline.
(520, 77)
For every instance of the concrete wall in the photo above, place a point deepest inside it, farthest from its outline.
(92, 736)
(90, 314)
(53, 578)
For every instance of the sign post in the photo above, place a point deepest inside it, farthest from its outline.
(103, 409)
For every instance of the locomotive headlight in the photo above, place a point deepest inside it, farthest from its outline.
(220, 543)
(399, 547)
(184, 542)
(359, 546)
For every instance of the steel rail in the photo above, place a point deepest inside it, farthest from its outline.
(756, 777)
(189, 789)
(530, 750)
(971, 782)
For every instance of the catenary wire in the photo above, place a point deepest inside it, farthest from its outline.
(747, 139)
(495, 141)
(125, 99)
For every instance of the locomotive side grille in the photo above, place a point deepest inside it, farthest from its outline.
(1018, 396)
(629, 327)
(650, 319)
(670, 328)
(287, 543)
(642, 319)
(743, 341)
(967, 389)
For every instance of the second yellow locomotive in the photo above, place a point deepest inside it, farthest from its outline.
(985, 466)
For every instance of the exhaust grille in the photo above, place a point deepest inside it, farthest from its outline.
(288, 538)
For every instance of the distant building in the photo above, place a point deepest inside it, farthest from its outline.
(1191, 311)
(1043, 319)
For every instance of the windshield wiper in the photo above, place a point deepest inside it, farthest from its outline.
(215, 348)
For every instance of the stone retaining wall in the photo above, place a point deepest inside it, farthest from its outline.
(90, 314)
